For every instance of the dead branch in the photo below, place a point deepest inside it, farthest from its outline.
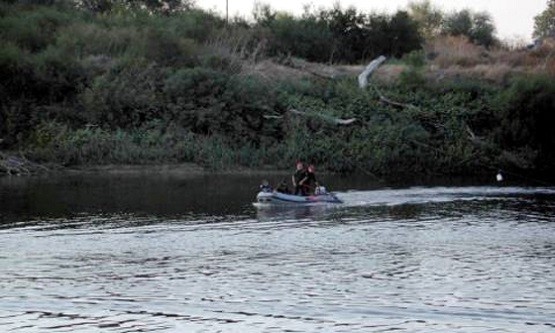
(365, 75)
(397, 104)
(272, 116)
(470, 133)
(337, 121)
(329, 119)
(363, 81)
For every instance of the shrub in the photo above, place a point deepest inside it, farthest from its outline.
(413, 75)
(33, 29)
(124, 98)
(14, 70)
(526, 116)
(56, 142)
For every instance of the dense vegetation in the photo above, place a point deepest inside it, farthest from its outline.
(544, 23)
(141, 84)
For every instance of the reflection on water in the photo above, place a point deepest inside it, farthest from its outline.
(130, 254)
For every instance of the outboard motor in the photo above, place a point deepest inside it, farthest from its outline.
(320, 190)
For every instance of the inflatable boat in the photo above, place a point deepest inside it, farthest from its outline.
(278, 198)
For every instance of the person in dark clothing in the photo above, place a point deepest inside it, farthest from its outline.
(297, 178)
(282, 187)
(309, 182)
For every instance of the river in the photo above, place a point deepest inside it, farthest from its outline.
(151, 253)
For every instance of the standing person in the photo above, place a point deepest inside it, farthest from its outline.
(297, 177)
(309, 183)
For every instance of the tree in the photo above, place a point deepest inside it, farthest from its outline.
(428, 18)
(96, 6)
(337, 35)
(263, 14)
(478, 27)
(346, 27)
(458, 23)
(102, 6)
(404, 36)
(544, 23)
(483, 30)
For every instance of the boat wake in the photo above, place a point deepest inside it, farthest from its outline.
(424, 195)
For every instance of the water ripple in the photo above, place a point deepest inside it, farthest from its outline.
(453, 260)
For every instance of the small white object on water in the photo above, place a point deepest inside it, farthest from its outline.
(499, 177)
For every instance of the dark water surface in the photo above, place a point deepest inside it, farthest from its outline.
(175, 254)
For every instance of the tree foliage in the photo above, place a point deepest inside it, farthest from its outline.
(527, 118)
(140, 86)
(164, 6)
(544, 23)
(338, 35)
(478, 27)
(428, 18)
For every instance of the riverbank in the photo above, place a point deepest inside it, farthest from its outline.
(13, 165)
(181, 169)
(138, 93)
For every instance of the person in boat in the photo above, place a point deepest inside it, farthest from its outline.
(298, 177)
(265, 186)
(282, 187)
(309, 182)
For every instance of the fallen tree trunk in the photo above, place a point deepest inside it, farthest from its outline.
(363, 81)
(326, 118)
(365, 75)
(330, 119)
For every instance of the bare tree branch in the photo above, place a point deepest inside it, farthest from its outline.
(329, 119)
(365, 75)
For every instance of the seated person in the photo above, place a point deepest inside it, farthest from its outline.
(265, 186)
(282, 187)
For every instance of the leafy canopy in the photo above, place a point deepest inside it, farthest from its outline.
(544, 24)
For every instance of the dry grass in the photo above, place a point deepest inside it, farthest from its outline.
(296, 69)
(456, 56)
(389, 73)
(452, 57)
(449, 58)
(498, 73)
(455, 51)
(271, 71)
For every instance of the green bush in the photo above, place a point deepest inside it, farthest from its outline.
(338, 35)
(526, 114)
(124, 98)
(56, 142)
(136, 86)
(14, 69)
(35, 28)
